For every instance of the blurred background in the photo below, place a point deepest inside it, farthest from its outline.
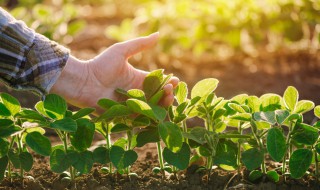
(251, 46)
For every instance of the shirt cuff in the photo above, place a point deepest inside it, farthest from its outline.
(45, 61)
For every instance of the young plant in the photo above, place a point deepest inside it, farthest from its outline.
(16, 134)
(75, 131)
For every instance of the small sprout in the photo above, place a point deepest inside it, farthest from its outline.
(156, 170)
(64, 174)
(104, 170)
(255, 175)
(168, 169)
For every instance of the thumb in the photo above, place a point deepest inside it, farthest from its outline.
(134, 46)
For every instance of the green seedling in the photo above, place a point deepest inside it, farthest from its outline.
(75, 131)
(16, 134)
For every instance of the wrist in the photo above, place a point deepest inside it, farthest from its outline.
(71, 80)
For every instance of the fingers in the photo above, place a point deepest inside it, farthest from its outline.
(174, 81)
(131, 47)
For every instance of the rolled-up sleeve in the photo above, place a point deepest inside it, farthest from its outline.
(28, 60)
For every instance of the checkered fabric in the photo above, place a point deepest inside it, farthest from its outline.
(28, 60)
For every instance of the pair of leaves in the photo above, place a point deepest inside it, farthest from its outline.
(121, 158)
(179, 159)
(252, 158)
(23, 160)
(61, 161)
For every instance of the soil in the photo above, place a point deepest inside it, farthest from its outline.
(43, 178)
(268, 72)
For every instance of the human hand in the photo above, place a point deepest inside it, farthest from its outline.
(83, 83)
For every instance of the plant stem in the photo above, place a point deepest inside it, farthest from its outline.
(160, 158)
(20, 148)
(260, 143)
(288, 146)
(65, 144)
(316, 163)
(108, 140)
(129, 136)
(239, 151)
(263, 165)
(9, 165)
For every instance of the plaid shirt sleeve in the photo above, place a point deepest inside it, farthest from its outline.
(28, 61)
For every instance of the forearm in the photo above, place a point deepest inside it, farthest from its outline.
(71, 79)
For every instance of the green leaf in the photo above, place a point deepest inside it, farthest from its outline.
(252, 158)
(273, 176)
(26, 161)
(30, 115)
(254, 103)
(4, 144)
(106, 103)
(101, 155)
(8, 131)
(197, 134)
(82, 112)
(40, 109)
(121, 142)
(281, 116)
(11, 103)
(137, 94)
(55, 106)
(141, 121)
(82, 138)
(151, 134)
(120, 127)
(156, 97)
(269, 117)
(276, 144)
(317, 111)
(306, 134)
(171, 135)
(66, 124)
(179, 159)
(226, 155)
(5, 123)
(236, 107)
(255, 175)
(140, 107)
(300, 162)
(181, 92)
(204, 87)
(3, 166)
(270, 102)
(318, 148)
(121, 159)
(60, 161)
(14, 158)
(84, 163)
(159, 112)
(241, 116)
(4, 110)
(152, 82)
(115, 111)
(291, 97)
(39, 143)
(304, 106)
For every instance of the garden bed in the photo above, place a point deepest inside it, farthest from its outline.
(146, 179)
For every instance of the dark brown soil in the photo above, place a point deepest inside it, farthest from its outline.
(188, 179)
